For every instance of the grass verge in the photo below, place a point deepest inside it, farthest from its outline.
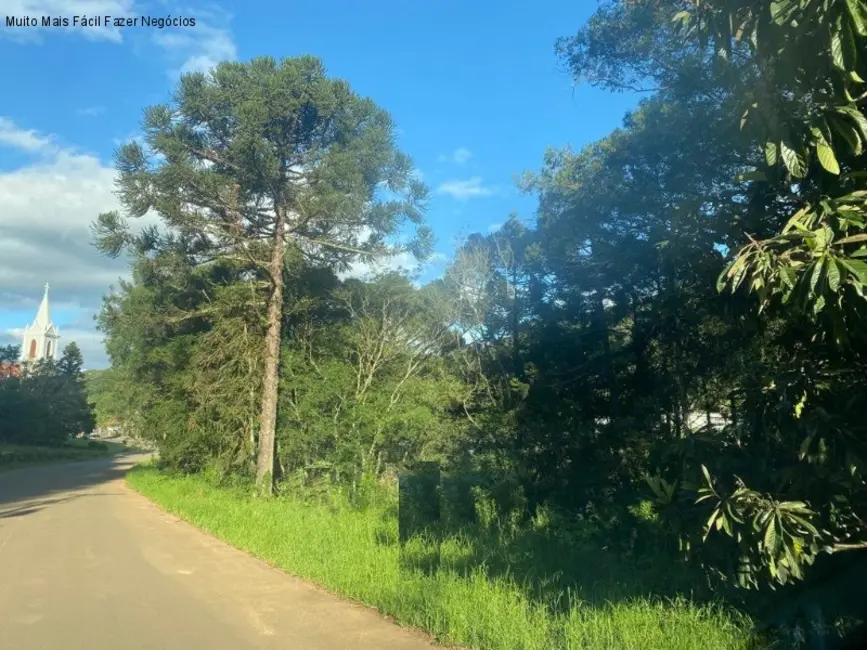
(355, 554)
(14, 456)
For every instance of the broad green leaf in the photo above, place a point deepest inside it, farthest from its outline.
(735, 271)
(826, 157)
(770, 539)
(822, 238)
(805, 447)
(757, 284)
(848, 132)
(816, 276)
(819, 305)
(721, 280)
(771, 153)
(710, 523)
(850, 217)
(858, 196)
(793, 160)
(858, 269)
(740, 30)
(795, 506)
(853, 239)
(833, 275)
(850, 49)
(837, 51)
(861, 252)
(795, 220)
(856, 116)
(805, 524)
(781, 10)
(857, 17)
(787, 273)
(727, 526)
(738, 276)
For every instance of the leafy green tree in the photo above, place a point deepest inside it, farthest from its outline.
(22, 418)
(807, 118)
(78, 410)
(257, 161)
(104, 392)
(151, 325)
(371, 391)
(71, 361)
(10, 353)
(765, 150)
(45, 405)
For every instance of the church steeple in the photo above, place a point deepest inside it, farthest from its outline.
(42, 337)
(43, 316)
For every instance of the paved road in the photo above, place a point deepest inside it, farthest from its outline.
(86, 564)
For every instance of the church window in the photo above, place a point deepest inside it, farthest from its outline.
(33, 349)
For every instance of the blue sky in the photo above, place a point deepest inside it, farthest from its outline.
(474, 88)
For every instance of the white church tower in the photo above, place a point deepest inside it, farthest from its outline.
(42, 337)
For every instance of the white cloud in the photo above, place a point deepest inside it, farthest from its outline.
(399, 262)
(200, 48)
(402, 262)
(26, 140)
(461, 156)
(465, 189)
(91, 111)
(46, 208)
(133, 136)
(494, 227)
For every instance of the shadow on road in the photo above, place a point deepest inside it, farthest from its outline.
(29, 489)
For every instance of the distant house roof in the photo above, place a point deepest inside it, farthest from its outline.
(9, 370)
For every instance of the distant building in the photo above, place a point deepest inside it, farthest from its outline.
(8, 370)
(41, 338)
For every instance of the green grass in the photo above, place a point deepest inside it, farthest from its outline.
(14, 456)
(468, 603)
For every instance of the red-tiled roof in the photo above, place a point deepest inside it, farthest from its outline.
(9, 370)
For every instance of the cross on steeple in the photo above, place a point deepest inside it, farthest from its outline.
(43, 316)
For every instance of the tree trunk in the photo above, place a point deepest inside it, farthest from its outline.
(734, 411)
(610, 377)
(268, 414)
(517, 364)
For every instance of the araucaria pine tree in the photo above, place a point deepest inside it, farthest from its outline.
(254, 162)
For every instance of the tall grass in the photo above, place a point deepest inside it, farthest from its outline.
(450, 588)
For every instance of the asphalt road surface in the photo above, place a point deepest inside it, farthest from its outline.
(88, 564)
